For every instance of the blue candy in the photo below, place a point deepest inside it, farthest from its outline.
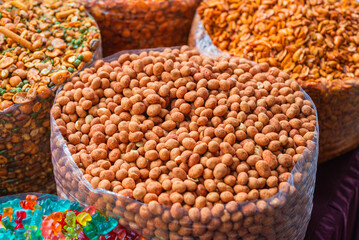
(75, 206)
(20, 234)
(7, 224)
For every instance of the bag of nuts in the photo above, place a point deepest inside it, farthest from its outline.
(178, 145)
(316, 41)
(42, 44)
(137, 24)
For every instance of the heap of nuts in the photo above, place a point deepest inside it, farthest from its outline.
(42, 43)
(315, 41)
(137, 24)
(180, 128)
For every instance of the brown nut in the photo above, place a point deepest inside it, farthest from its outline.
(208, 134)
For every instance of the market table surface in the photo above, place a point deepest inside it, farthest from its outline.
(335, 214)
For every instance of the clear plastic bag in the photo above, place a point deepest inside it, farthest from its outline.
(337, 107)
(283, 216)
(25, 158)
(136, 24)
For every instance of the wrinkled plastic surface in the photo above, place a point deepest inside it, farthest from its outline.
(338, 110)
(136, 24)
(25, 158)
(284, 216)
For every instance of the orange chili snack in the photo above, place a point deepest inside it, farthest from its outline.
(42, 43)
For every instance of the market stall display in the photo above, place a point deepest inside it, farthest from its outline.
(51, 218)
(177, 144)
(135, 24)
(315, 41)
(42, 44)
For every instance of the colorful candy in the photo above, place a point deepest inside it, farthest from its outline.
(8, 212)
(29, 203)
(83, 218)
(47, 228)
(20, 216)
(52, 219)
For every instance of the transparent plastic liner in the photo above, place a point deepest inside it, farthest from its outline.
(338, 115)
(283, 216)
(199, 39)
(25, 158)
(135, 24)
(338, 110)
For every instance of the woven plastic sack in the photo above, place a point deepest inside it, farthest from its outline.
(283, 216)
(337, 108)
(25, 158)
(136, 24)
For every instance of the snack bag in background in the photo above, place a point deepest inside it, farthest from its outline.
(63, 39)
(136, 24)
